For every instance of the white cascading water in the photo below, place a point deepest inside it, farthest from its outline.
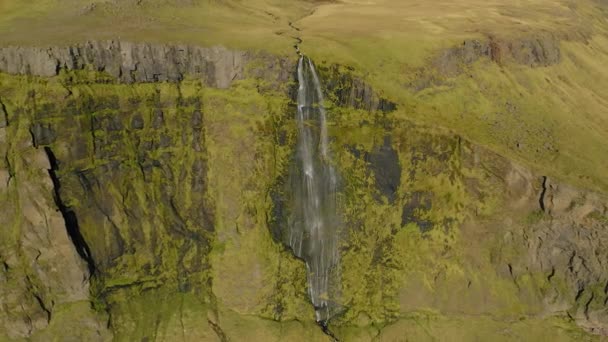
(313, 225)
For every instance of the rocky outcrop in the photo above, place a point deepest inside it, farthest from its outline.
(345, 89)
(561, 200)
(542, 50)
(561, 244)
(216, 66)
(570, 248)
(40, 271)
(143, 62)
(572, 255)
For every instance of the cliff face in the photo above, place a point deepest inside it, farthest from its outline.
(136, 209)
(45, 283)
(139, 62)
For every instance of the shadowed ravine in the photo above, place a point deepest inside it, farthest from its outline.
(314, 221)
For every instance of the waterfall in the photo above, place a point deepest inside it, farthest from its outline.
(313, 224)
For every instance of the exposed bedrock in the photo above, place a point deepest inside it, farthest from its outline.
(143, 62)
(534, 51)
(560, 248)
(346, 90)
(543, 50)
(41, 272)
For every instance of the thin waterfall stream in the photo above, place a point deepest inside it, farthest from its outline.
(314, 221)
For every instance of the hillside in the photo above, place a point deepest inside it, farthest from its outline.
(149, 151)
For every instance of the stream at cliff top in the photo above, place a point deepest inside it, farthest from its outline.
(313, 224)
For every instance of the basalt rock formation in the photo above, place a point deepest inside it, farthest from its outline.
(534, 52)
(141, 62)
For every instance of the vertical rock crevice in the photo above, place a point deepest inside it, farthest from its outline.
(43, 306)
(218, 331)
(325, 328)
(543, 192)
(3, 115)
(71, 221)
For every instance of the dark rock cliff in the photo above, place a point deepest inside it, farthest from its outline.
(142, 62)
(536, 51)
